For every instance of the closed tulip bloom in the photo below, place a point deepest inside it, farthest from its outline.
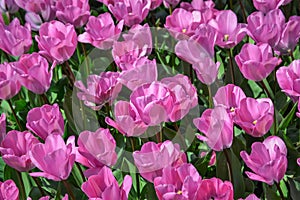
(15, 147)
(98, 148)
(75, 12)
(8, 6)
(256, 62)
(268, 5)
(215, 188)
(288, 79)
(267, 160)
(230, 97)
(183, 24)
(100, 89)
(56, 41)
(34, 72)
(55, 158)
(154, 102)
(230, 32)
(45, 120)
(9, 84)
(181, 182)
(185, 96)
(255, 116)
(101, 31)
(9, 190)
(105, 186)
(266, 28)
(15, 39)
(152, 158)
(290, 36)
(131, 11)
(217, 127)
(127, 120)
(2, 127)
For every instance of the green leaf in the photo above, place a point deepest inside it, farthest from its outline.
(287, 120)
(294, 188)
(148, 192)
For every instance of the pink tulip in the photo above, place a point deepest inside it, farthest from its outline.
(8, 6)
(34, 5)
(34, 73)
(66, 197)
(101, 31)
(251, 197)
(54, 158)
(215, 188)
(267, 160)
(266, 28)
(298, 161)
(206, 8)
(15, 147)
(181, 182)
(144, 71)
(152, 158)
(289, 78)
(9, 190)
(154, 102)
(256, 62)
(183, 24)
(75, 12)
(105, 186)
(127, 120)
(212, 160)
(217, 126)
(268, 5)
(2, 127)
(46, 120)
(185, 96)
(290, 36)
(9, 84)
(106, 2)
(56, 41)
(155, 4)
(15, 39)
(255, 116)
(131, 11)
(197, 55)
(171, 3)
(98, 148)
(230, 32)
(100, 89)
(230, 97)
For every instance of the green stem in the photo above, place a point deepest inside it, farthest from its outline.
(15, 115)
(69, 190)
(210, 101)
(45, 99)
(243, 11)
(69, 73)
(22, 187)
(292, 55)
(280, 191)
(231, 66)
(229, 165)
(80, 170)
(136, 175)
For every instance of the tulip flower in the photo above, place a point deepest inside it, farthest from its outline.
(185, 96)
(34, 73)
(8, 6)
(268, 5)
(153, 102)
(131, 11)
(100, 89)
(15, 147)
(230, 32)
(182, 24)
(152, 158)
(215, 188)
(55, 158)
(105, 186)
(34, 5)
(2, 127)
(298, 161)
(46, 120)
(206, 8)
(256, 62)
(101, 31)
(267, 160)
(288, 79)
(9, 83)
(127, 120)
(155, 4)
(98, 148)
(266, 28)
(255, 116)
(230, 97)
(15, 39)
(171, 3)
(106, 2)
(56, 41)
(217, 126)
(250, 197)
(180, 182)
(9, 190)
(75, 12)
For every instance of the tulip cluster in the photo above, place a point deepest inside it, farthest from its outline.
(207, 109)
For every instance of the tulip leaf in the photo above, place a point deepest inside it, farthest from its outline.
(294, 188)
(287, 120)
(148, 192)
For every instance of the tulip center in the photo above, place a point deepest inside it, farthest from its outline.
(179, 192)
(254, 122)
(184, 30)
(232, 109)
(226, 37)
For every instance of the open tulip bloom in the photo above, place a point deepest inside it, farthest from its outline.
(149, 99)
